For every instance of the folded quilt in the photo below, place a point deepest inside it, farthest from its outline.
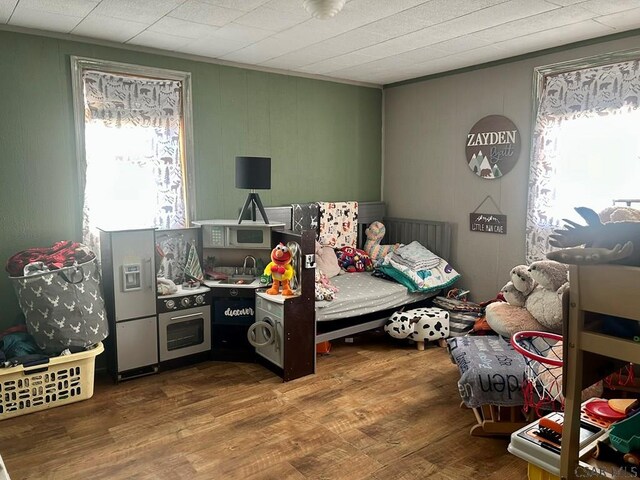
(440, 276)
(416, 256)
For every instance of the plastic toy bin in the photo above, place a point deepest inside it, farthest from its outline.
(625, 434)
(536, 473)
(65, 379)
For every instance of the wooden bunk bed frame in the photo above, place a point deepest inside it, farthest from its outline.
(301, 330)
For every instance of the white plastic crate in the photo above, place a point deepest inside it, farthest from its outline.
(63, 380)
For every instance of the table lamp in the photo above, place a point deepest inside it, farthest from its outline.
(253, 173)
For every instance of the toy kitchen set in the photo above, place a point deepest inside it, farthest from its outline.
(235, 255)
(248, 324)
(160, 318)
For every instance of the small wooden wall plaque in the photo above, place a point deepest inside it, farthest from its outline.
(488, 223)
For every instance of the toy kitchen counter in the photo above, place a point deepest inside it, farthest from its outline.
(239, 282)
(232, 313)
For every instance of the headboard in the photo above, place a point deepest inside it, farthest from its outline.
(434, 235)
(367, 212)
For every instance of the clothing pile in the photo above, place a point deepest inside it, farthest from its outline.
(61, 254)
(18, 347)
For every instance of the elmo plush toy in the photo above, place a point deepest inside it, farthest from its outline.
(280, 270)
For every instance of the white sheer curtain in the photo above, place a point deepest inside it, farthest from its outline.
(586, 147)
(134, 163)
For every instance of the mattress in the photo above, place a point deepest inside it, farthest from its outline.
(362, 293)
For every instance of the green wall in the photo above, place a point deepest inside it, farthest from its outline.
(324, 139)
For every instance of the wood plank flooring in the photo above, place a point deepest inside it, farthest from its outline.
(374, 410)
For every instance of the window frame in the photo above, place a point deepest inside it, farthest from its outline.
(79, 64)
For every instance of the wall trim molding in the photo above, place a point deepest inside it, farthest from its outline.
(518, 58)
(183, 56)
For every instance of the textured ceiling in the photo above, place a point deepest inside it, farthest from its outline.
(372, 41)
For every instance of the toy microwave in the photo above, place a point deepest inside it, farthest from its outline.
(231, 234)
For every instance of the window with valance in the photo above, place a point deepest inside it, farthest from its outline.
(585, 142)
(134, 166)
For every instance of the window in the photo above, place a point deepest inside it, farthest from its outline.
(133, 128)
(585, 146)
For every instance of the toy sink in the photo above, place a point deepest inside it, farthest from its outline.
(239, 280)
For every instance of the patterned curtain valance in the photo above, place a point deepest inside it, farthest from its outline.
(117, 100)
(599, 90)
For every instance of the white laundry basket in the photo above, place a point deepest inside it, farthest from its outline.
(65, 379)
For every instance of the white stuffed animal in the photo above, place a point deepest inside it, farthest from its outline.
(516, 291)
(545, 302)
(512, 295)
(522, 279)
(511, 317)
(420, 325)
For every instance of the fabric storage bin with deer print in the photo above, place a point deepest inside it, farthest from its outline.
(64, 308)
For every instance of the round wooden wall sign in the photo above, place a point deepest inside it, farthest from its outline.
(493, 147)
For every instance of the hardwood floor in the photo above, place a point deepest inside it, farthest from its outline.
(374, 410)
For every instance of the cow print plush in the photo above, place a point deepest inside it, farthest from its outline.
(420, 325)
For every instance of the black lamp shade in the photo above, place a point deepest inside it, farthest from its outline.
(253, 172)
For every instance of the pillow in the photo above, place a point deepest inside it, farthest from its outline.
(354, 260)
(327, 261)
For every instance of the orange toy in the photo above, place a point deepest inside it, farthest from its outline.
(280, 270)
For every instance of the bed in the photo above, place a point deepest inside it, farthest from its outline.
(364, 302)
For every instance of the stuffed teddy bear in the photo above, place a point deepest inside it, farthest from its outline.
(280, 270)
(534, 300)
(545, 301)
(375, 233)
(354, 260)
(507, 318)
(419, 324)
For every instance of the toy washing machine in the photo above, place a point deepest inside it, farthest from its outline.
(267, 333)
